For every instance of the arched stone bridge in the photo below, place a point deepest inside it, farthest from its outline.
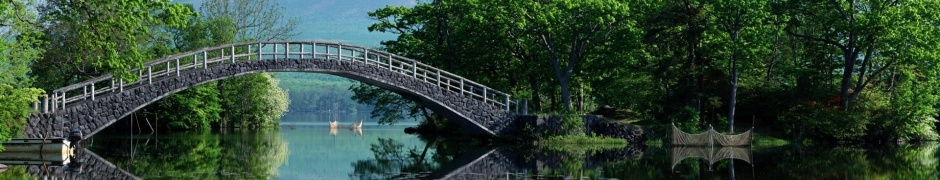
(97, 103)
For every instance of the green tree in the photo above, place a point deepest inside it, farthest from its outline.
(19, 42)
(254, 102)
(247, 101)
(201, 104)
(252, 20)
(197, 108)
(93, 38)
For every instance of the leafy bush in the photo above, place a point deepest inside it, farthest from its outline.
(572, 124)
(14, 109)
(822, 122)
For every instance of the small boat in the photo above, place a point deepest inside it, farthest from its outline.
(334, 124)
(355, 126)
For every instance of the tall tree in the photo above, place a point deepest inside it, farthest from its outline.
(742, 21)
(92, 38)
(252, 20)
(20, 40)
(852, 27)
(568, 31)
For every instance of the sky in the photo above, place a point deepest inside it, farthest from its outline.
(334, 20)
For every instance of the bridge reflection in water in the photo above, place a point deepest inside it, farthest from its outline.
(84, 164)
(493, 163)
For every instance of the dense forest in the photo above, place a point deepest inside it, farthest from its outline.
(830, 70)
(821, 69)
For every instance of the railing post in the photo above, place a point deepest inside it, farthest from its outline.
(177, 67)
(195, 62)
(461, 86)
(63, 98)
(390, 62)
(301, 51)
(54, 102)
(366, 56)
(339, 52)
(314, 49)
(414, 69)
(438, 77)
(233, 54)
(92, 92)
(167, 72)
(45, 104)
(149, 75)
(259, 51)
(507, 102)
(84, 92)
(484, 95)
(122, 83)
(286, 51)
(205, 60)
(112, 84)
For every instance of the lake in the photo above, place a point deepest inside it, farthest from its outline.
(313, 151)
(306, 148)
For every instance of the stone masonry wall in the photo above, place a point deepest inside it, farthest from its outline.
(476, 117)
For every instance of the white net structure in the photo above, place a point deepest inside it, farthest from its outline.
(710, 138)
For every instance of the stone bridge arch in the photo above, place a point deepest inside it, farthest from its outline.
(97, 103)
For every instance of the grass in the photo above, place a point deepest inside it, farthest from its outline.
(767, 141)
(582, 139)
(581, 143)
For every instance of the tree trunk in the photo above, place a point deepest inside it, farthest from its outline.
(847, 69)
(732, 100)
(536, 93)
(565, 94)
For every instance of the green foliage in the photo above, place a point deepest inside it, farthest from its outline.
(572, 125)
(194, 109)
(252, 101)
(248, 101)
(583, 141)
(389, 107)
(96, 37)
(190, 155)
(815, 121)
(15, 106)
(19, 47)
(15, 172)
(251, 20)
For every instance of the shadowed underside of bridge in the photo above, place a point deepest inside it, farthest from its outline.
(477, 109)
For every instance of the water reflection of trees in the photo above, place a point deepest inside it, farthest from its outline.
(393, 159)
(786, 162)
(237, 154)
(909, 161)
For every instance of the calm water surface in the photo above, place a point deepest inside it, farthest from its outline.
(313, 151)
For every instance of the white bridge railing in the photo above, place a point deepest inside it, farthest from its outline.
(257, 51)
